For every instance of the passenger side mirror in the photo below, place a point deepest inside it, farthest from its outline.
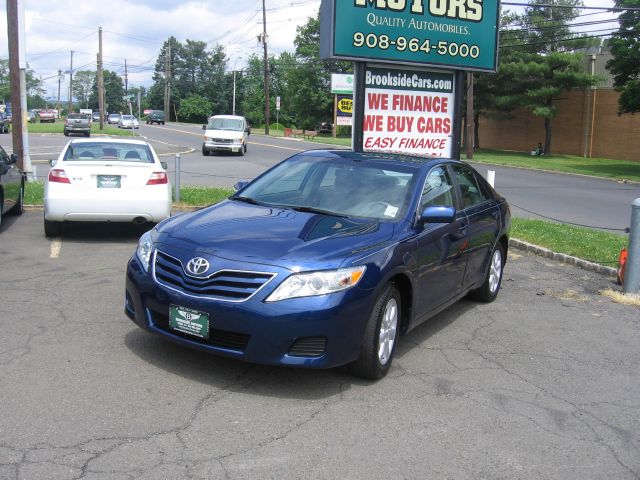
(248, 130)
(438, 215)
(239, 186)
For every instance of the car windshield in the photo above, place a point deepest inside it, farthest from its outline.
(127, 117)
(232, 124)
(112, 151)
(334, 186)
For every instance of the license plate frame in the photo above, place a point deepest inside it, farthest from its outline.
(189, 321)
(109, 181)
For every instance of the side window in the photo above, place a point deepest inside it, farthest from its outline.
(437, 190)
(472, 194)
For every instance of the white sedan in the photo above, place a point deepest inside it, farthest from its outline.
(128, 121)
(114, 180)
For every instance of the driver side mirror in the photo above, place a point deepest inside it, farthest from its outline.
(13, 159)
(239, 186)
(437, 215)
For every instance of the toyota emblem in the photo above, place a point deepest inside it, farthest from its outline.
(197, 266)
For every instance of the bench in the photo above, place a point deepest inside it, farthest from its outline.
(310, 134)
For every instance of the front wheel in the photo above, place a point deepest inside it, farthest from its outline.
(205, 152)
(379, 342)
(66, 134)
(491, 286)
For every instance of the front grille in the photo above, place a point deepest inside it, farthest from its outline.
(222, 140)
(309, 347)
(226, 285)
(217, 338)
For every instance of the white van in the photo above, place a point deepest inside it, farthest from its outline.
(225, 133)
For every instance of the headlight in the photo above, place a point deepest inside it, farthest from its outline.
(145, 249)
(239, 140)
(317, 283)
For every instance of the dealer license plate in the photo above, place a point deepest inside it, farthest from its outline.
(186, 320)
(108, 181)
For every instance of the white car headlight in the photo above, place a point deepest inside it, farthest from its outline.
(317, 283)
(239, 140)
(145, 249)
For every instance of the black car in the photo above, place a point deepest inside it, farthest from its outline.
(5, 123)
(156, 116)
(11, 185)
(325, 127)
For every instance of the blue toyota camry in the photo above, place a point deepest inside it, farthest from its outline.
(323, 260)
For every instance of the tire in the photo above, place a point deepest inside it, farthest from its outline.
(18, 208)
(380, 336)
(493, 279)
(205, 152)
(242, 151)
(66, 134)
(52, 229)
(245, 148)
(87, 134)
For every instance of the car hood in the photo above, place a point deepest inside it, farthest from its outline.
(272, 236)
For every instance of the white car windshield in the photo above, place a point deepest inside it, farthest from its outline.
(119, 152)
(232, 124)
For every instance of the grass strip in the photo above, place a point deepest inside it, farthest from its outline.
(594, 245)
(598, 167)
(58, 127)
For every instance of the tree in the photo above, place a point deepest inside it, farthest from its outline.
(113, 92)
(625, 64)
(35, 89)
(541, 65)
(83, 81)
(195, 108)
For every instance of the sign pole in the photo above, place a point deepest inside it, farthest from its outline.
(357, 133)
(457, 124)
(335, 114)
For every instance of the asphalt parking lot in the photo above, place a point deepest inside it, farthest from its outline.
(541, 384)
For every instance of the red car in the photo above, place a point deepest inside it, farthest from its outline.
(47, 116)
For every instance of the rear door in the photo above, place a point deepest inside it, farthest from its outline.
(483, 215)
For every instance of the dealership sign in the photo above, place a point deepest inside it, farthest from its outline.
(460, 34)
(342, 83)
(409, 111)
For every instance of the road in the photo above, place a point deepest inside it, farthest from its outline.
(542, 383)
(533, 194)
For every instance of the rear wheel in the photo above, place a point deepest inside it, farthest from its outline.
(379, 343)
(52, 229)
(491, 286)
(19, 206)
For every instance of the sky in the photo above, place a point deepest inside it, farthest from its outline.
(135, 31)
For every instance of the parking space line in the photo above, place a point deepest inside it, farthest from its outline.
(56, 247)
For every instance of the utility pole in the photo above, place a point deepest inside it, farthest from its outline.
(17, 81)
(60, 77)
(126, 78)
(100, 83)
(266, 69)
(167, 82)
(70, 107)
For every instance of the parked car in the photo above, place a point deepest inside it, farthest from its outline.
(325, 127)
(95, 116)
(226, 133)
(5, 123)
(113, 180)
(156, 116)
(32, 115)
(47, 116)
(128, 121)
(77, 123)
(11, 185)
(323, 260)
(113, 118)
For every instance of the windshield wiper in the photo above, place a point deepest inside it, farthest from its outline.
(246, 200)
(314, 210)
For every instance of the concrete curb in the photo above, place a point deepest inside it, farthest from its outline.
(562, 258)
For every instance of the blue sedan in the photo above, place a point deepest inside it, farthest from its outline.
(323, 260)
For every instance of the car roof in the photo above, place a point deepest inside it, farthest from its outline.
(77, 141)
(380, 157)
(235, 117)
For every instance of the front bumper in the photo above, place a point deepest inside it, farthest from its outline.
(312, 332)
(226, 147)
